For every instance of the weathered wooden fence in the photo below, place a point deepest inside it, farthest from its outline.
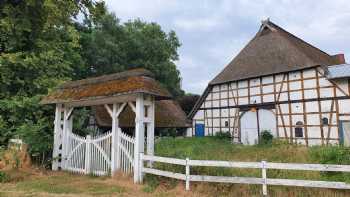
(263, 165)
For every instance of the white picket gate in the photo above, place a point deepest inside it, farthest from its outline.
(126, 152)
(93, 154)
(100, 154)
(76, 154)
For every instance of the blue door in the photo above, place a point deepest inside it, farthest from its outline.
(199, 130)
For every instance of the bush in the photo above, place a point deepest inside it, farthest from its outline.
(266, 137)
(4, 177)
(169, 132)
(223, 135)
(332, 155)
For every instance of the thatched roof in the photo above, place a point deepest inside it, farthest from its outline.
(272, 50)
(107, 86)
(168, 114)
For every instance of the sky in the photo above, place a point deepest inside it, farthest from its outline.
(213, 32)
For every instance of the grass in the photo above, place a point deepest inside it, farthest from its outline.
(59, 184)
(213, 148)
(39, 183)
(46, 183)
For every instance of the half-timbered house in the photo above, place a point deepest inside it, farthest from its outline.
(281, 84)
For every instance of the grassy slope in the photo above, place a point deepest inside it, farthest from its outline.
(209, 148)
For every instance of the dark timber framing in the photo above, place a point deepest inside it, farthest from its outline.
(223, 104)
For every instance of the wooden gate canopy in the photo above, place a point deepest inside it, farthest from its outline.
(118, 87)
(168, 114)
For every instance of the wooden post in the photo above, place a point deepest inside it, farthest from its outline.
(150, 131)
(141, 167)
(264, 177)
(115, 160)
(88, 155)
(187, 174)
(139, 137)
(57, 137)
(67, 129)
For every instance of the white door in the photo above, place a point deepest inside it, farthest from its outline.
(267, 121)
(345, 135)
(249, 128)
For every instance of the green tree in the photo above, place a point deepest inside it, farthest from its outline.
(109, 46)
(39, 49)
(44, 43)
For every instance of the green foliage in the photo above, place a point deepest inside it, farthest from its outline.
(39, 49)
(110, 47)
(42, 45)
(167, 132)
(152, 183)
(4, 177)
(223, 135)
(332, 155)
(265, 137)
(213, 148)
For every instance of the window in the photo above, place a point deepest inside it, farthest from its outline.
(325, 121)
(226, 123)
(298, 131)
(146, 111)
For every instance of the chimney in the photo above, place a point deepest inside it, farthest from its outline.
(339, 58)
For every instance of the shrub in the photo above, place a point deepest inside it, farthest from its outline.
(266, 137)
(170, 132)
(223, 135)
(4, 177)
(152, 183)
(332, 155)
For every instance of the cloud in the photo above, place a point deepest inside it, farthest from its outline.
(199, 24)
(213, 32)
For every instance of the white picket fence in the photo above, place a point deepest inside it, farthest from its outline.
(92, 154)
(263, 180)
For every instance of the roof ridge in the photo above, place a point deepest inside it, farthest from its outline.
(272, 50)
(296, 37)
(137, 72)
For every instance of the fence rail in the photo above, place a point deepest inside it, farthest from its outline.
(263, 165)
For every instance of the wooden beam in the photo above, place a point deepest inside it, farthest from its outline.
(57, 137)
(69, 113)
(139, 138)
(330, 121)
(281, 87)
(319, 107)
(290, 111)
(150, 130)
(132, 106)
(284, 125)
(304, 108)
(120, 109)
(109, 110)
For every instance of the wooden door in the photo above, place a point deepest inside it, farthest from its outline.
(267, 121)
(249, 128)
(344, 127)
